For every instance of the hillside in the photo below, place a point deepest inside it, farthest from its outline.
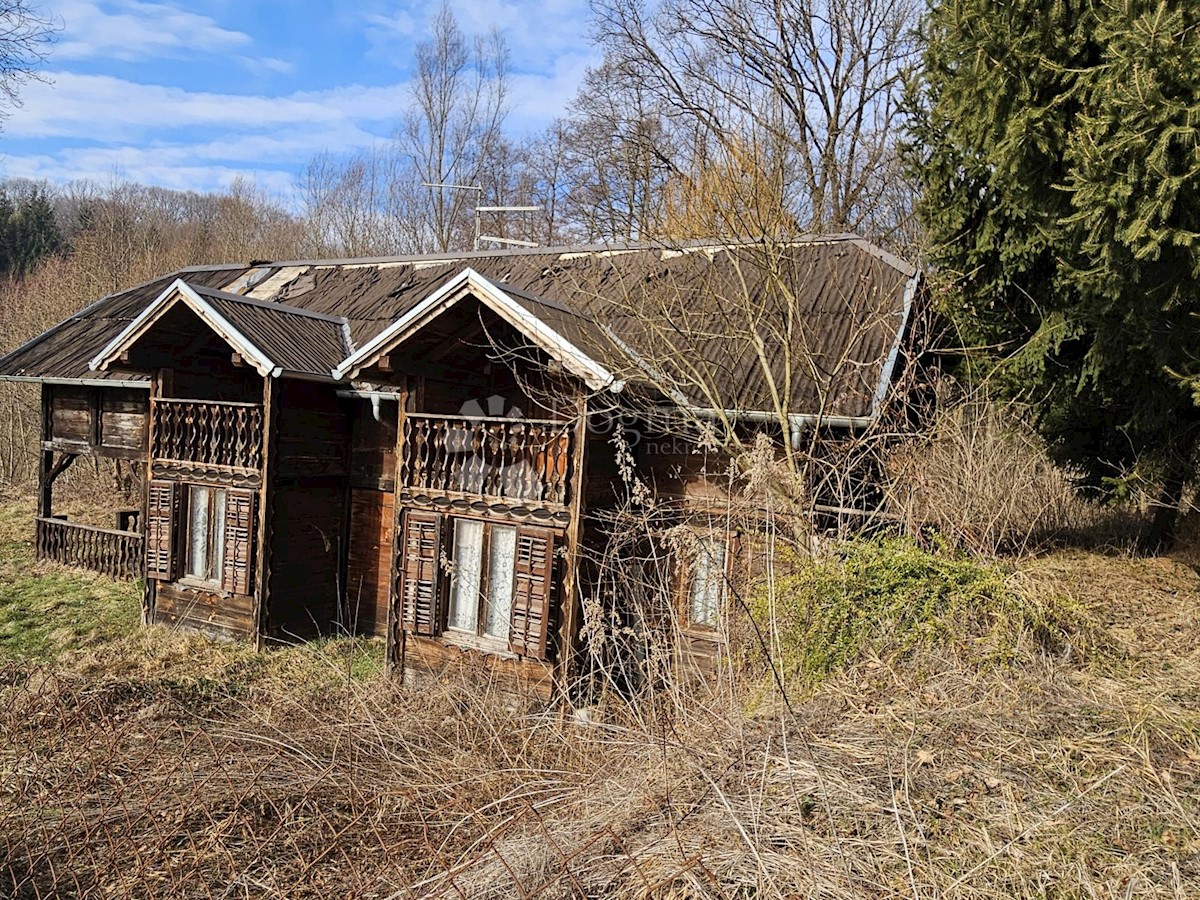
(145, 763)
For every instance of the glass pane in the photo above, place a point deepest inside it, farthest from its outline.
(501, 563)
(217, 544)
(708, 575)
(468, 569)
(198, 532)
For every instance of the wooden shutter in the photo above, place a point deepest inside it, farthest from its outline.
(162, 506)
(533, 586)
(420, 586)
(239, 541)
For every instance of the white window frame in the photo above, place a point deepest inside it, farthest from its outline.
(706, 587)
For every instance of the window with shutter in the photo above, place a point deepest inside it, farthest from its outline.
(239, 541)
(419, 588)
(161, 506)
(533, 582)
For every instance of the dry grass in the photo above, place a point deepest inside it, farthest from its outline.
(981, 478)
(202, 773)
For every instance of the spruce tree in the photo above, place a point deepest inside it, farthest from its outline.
(1057, 142)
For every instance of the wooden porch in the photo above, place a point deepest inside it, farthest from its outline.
(117, 554)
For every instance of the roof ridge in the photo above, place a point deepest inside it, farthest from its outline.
(466, 256)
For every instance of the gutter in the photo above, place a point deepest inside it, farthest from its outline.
(798, 422)
(82, 382)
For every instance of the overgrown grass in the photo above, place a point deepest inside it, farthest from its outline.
(47, 612)
(66, 620)
(142, 763)
(888, 597)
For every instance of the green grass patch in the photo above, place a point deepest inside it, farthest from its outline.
(888, 597)
(62, 619)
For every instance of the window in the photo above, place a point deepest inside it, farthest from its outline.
(708, 581)
(205, 533)
(500, 591)
(481, 586)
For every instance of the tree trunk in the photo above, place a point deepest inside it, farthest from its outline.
(1160, 536)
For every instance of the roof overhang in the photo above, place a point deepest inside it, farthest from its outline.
(469, 283)
(179, 291)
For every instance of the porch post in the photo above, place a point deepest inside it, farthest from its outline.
(395, 633)
(572, 603)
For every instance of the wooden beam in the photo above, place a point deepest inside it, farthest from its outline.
(395, 633)
(262, 579)
(572, 602)
(236, 359)
(64, 463)
(149, 585)
(46, 458)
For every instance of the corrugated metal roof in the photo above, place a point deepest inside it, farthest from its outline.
(298, 341)
(821, 315)
(63, 352)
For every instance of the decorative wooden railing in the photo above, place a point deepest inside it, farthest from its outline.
(117, 554)
(224, 435)
(517, 459)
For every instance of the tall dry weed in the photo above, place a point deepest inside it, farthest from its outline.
(982, 478)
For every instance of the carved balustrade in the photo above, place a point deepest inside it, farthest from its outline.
(117, 554)
(208, 433)
(515, 459)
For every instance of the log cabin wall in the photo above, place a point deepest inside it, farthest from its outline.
(98, 421)
(372, 513)
(308, 518)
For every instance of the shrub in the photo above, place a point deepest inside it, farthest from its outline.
(890, 596)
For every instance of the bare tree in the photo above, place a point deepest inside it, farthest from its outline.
(25, 38)
(453, 127)
(394, 198)
(619, 153)
(815, 84)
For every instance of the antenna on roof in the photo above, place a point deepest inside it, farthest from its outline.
(488, 209)
(500, 240)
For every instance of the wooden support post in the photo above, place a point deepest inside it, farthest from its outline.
(572, 602)
(149, 585)
(395, 631)
(262, 578)
(45, 485)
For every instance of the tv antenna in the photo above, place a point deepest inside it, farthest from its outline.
(500, 240)
(487, 209)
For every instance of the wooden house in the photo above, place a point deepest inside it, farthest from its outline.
(401, 447)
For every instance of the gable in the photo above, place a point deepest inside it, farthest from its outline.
(274, 339)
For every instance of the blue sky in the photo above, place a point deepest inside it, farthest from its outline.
(191, 95)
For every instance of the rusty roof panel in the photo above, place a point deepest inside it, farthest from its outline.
(815, 320)
(296, 340)
(63, 351)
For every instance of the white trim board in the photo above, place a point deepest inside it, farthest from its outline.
(470, 283)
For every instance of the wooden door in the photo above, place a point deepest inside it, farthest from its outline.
(368, 569)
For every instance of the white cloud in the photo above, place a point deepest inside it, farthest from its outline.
(105, 108)
(538, 32)
(81, 125)
(135, 30)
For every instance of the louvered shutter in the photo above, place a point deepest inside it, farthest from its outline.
(533, 586)
(420, 585)
(239, 541)
(162, 505)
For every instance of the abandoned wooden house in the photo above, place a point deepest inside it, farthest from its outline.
(401, 447)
